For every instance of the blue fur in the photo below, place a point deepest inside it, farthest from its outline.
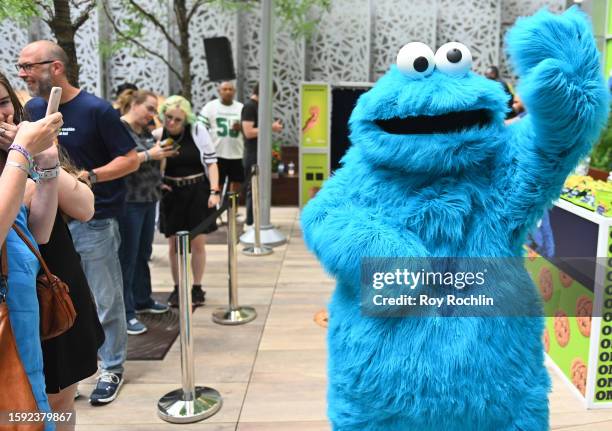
(472, 193)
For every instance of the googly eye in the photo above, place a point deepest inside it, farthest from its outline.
(453, 58)
(416, 59)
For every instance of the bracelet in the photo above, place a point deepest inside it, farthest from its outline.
(147, 156)
(47, 174)
(25, 153)
(215, 192)
(18, 165)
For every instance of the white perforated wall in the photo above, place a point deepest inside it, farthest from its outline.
(473, 23)
(12, 39)
(87, 42)
(391, 32)
(340, 47)
(135, 65)
(288, 69)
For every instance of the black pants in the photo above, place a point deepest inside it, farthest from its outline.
(249, 159)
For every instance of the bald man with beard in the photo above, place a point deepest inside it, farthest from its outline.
(97, 142)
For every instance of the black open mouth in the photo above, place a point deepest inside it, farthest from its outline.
(427, 124)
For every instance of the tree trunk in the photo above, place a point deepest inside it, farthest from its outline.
(62, 28)
(180, 10)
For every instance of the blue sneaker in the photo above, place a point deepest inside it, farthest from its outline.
(154, 308)
(106, 389)
(135, 327)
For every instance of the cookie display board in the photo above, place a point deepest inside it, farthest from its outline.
(577, 298)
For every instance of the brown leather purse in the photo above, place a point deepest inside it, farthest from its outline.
(57, 312)
(16, 394)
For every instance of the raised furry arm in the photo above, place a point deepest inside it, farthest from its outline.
(562, 86)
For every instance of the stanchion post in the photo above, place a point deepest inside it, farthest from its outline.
(234, 314)
(256, 249)
(232, 258)
(190, 403)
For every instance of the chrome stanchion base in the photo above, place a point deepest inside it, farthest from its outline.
(257, 251)
(239, 316)
(270, 236)
(173, 408)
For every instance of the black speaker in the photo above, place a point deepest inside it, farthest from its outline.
(219, 59)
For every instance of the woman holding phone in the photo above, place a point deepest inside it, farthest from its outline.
(23, 147)
(191, 187)
(137, 223)
(72, 356)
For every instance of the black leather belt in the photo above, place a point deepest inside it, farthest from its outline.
(184, 181)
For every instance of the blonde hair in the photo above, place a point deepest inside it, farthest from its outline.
(129, 97)
(177, 102)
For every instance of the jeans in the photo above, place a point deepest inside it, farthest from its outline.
(249, 159)
(137, 227)
(97, 241)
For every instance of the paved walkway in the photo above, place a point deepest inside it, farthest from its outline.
(270, 372)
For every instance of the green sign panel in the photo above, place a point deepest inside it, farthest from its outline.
(314, 171)
(315, 115)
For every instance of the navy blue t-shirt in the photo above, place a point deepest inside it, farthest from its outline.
(92, 135)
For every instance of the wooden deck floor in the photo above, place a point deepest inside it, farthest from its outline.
(271, 372)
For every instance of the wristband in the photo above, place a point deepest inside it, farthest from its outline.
(215, 192)
(18, 165)
(25, 153)
(46, 174)
(147, 156)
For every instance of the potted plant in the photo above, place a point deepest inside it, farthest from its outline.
(601, 157)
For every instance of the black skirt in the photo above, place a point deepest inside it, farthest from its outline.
(184, 208)
(72, 356)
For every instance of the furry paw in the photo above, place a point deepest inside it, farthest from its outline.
(567, 38)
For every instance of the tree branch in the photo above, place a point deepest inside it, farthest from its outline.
(77, 4)
(84, 15)
(46, 8)
(122, 34)
(153, 19)
(194, 9)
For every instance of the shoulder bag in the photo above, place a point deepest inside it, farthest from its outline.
(57, 312)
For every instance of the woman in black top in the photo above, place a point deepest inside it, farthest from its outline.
(191, 185)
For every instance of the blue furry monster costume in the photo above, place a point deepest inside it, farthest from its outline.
(433, 171)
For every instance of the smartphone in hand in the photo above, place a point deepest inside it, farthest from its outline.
(54, 100)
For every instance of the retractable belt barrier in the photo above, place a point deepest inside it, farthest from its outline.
(208, 221)
(192, 403)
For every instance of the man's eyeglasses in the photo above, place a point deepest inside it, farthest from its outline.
(27, 67)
